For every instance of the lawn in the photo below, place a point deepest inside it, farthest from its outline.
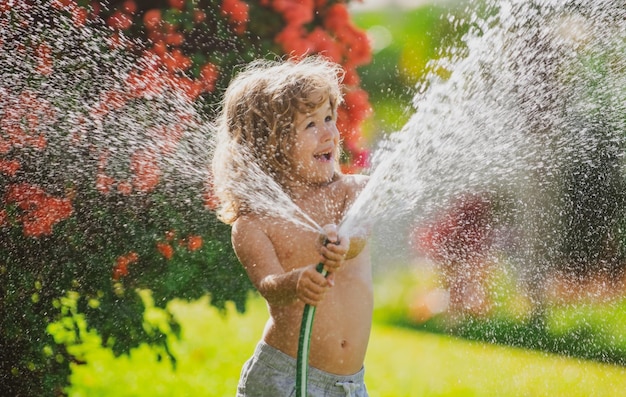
(400, 362)
(410, 363)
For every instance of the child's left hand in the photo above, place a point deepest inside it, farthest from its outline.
(335, 250)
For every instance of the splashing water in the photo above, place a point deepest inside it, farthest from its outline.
(520, 99)
(519, 102)
(523, 99)
(77, 107)
(266, 195)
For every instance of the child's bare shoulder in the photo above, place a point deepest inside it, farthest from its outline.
(253, 226)
(246, 225)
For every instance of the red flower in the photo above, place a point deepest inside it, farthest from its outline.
(191, 88)
(159, 47)
(64, 4)
(120, 20)
(295, 12)
(462, 232)
(359, 51)
(115, 41)
(194, 243)
(125, 188)
(358, 158)
(175, 61)
(361, 158)
(146, 80)
(324, 44)
(145, 169)
(237, 13)
(129, 7)
(96, 8)
(104, 183)
(351, 77)
(292, 39)
(357, 103)
(109, 101)
(43, 55)
(22, 119)
(121, 265)
(337, 16)
(209, 74)
(165, 249)
(167, 138)
(174, 38)
(199, 16)
(178, 4)
(211, 201)
(9, 167)
(5, 146)
(41, 211)
(152, 19)
(356, 42)
(79, 16)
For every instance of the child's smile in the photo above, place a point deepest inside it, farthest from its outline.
(324, 156)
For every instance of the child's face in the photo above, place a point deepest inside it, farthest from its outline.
(315, 145)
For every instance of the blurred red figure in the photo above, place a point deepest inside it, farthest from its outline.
(458, 240)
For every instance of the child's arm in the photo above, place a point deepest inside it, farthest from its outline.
(256, 253)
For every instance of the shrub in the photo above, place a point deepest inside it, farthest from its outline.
(104, 147)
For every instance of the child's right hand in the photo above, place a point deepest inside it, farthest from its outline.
(333, 249)
(311, 285)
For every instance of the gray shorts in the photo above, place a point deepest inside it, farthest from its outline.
(272, 373)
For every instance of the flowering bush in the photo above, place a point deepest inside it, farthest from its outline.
(104, 149)
(202, 41)
(459, 240)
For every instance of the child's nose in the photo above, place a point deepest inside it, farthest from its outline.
(329, 133)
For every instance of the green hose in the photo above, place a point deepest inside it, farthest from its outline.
(304, 342)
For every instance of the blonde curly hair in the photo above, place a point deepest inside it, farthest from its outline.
(256, 123)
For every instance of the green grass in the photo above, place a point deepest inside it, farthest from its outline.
(400, 362)
(412, 363)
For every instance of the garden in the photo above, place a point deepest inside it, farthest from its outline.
(117, 279)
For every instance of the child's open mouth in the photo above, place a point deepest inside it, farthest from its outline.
(326, 156)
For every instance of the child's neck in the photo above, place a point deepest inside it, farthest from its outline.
(298, 190)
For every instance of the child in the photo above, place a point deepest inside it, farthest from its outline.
(283, 115)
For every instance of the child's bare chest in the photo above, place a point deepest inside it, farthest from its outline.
(297, 245)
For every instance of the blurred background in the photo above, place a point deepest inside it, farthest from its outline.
(117, 280)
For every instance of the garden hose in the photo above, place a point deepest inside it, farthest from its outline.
(304, 342)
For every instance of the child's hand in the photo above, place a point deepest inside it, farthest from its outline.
(311, 285)
(334, 250)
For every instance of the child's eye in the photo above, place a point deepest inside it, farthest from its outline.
(310, 125)
(328, 119)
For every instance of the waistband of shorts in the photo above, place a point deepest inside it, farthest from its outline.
(287, 364)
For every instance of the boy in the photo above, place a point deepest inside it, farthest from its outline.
(282, 115)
